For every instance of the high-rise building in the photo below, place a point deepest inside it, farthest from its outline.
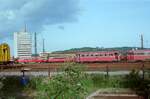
(22, 44)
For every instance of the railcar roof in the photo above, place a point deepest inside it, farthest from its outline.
(98, 52)
(139, 51)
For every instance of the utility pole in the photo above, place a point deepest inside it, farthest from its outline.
(43, 46)
(142, 45)
(35, 44)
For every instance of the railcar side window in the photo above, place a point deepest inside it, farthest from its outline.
(139, 53)
(146, 53)
(82, 55)
(116, 53)
(110, 54)
(130, 53)
(96, 55)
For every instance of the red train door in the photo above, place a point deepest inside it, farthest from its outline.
(117, 56)
(130, 56)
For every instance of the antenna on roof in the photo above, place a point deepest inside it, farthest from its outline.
(43, 46)
(35, 43)
(25, 28)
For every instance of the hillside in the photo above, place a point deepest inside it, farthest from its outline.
(87, 49)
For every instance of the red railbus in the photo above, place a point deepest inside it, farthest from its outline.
(101, 56)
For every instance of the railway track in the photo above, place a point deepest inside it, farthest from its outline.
(89, 66)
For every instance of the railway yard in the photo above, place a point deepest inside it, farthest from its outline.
(74, 49)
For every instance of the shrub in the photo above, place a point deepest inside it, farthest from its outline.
(70, 84)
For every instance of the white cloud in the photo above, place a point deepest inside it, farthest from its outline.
(35, 13)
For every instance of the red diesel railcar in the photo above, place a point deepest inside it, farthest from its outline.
(138, 55)
(101, 56)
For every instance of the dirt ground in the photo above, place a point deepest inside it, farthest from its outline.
(114, 94)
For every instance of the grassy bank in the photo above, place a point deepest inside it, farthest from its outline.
(72, 84)
(12, 87)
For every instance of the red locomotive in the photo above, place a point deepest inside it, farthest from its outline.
(100, 56)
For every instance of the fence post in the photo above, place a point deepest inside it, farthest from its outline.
(49, 72)
(1, 68)
(143, 71)
(107, 71)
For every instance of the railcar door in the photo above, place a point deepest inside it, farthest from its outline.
(123, 56)
(117, 56)
(77, 59)
(130, 56)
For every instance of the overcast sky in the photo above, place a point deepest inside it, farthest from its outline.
(68, 24)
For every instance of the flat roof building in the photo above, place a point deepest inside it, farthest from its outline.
(22, 44)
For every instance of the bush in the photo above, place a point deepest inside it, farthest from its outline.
(71, 84)
(101, 81)
(133, 79)
(11, 87)
(137, 83)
